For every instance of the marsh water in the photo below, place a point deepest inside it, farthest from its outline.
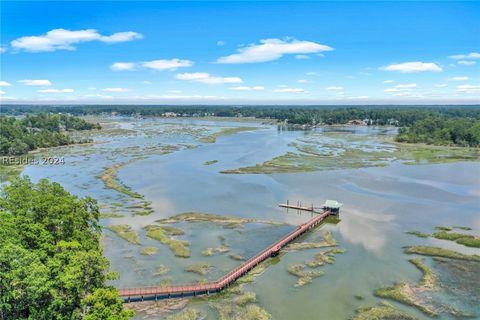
(380, 203)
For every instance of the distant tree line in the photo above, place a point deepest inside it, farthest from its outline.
(446, 125)
(308, 115)
(20, 135)
(51, 261)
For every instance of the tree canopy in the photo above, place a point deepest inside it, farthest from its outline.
(51, 262)
(20, 135)
(463, 132)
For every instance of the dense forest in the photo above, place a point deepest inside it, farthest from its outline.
(51, 262)
(464, 132)
(20, 135)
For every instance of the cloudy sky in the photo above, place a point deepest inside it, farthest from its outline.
(239, 52)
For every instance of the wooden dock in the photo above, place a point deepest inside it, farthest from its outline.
(193, 289)
(298, 207)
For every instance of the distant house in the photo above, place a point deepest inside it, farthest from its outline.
(357, 122)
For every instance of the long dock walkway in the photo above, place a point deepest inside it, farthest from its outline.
(193, 289)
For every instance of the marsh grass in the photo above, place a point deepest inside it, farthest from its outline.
(161, 270)
(110, 179)
(304, 276)
(210, 162)
(111, 215)
(235, 256)
(342, 151)
(199, 268)
(149, 251)
(179, 247)
(418, 234)
(186, 314)
(212, 138)
(328, 241)
(460, 238)
(440, 252)
(125, 232)
(384, 311)
(228, 222)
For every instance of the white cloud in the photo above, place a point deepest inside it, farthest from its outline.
(4, 84)
(2, 92)
(3, 49)
(466, 62)
(171, 65)
(91, 88)
(121, 37)
(409, 67)
(98, 96)
(388, 81)
(115, 90)
(272, 49)
(302, 81)
(468, 88)
(55, 91)
(174, 91)
(188, 97)
(302, 57)
(42, 83)
(442, 85)
(471, 55)
(312, 73)
(406, 86)
(220, 43)
(334, 88)
(245, 88)
(123, 66)
(401, 89)
(458, 79)
(147, 82)
(161, 64)
(290, 90)
(206, 78)
(62, 39)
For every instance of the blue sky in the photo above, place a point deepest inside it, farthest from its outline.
(240, 52)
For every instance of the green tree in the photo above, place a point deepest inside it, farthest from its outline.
(51, 262)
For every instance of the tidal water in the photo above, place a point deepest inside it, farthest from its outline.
(380, 204)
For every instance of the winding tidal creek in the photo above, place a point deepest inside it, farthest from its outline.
(188, 200)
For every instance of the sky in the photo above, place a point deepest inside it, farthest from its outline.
(318, 52)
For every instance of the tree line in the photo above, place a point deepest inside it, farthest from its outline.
(51, 260)
(20, 135)
(463, 132)
(442, 125)
(379, 115)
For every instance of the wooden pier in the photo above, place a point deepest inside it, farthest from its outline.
(194, 289)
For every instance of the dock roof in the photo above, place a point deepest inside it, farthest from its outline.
(332, 204)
